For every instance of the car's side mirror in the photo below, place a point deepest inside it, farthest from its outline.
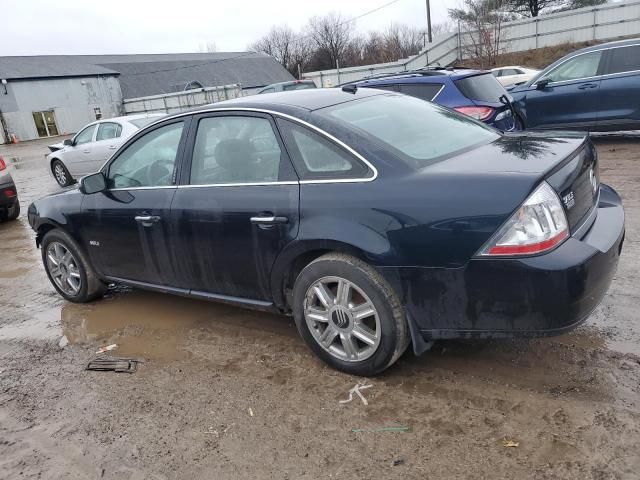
(542, 83)
(68, 142)
(94, 183)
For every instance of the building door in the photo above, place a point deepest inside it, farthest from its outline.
(45, 123)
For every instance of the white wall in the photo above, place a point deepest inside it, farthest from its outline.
(71, 99)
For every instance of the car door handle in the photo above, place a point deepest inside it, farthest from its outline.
(112, 147)
(86, 151)
(587, 85)
(147, 220)
(269, 220)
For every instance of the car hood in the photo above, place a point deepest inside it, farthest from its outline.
(526, 153)
(54, 147)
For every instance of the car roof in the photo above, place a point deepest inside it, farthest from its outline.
(604, 46)
(421, 76)
(309, 99)
(289, 82)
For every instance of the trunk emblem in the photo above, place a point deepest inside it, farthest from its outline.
(569, 200)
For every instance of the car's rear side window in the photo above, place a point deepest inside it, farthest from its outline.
(391, 119)
(235, 149)
(108, 130)
(484, 88)
(422, 91)
(316, 157)
(624, 59)
(143, 122)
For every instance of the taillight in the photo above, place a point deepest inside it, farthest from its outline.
(479, 113)
(539, 225)
(9, 193)
(2, 164)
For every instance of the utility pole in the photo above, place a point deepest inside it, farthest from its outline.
(429, 21)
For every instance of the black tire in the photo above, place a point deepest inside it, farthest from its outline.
(91, 287)
(14, 211)
(394, 338)
(61, 174)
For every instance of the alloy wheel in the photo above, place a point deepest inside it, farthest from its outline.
(63, 268)
(60, 174)
(342, 319)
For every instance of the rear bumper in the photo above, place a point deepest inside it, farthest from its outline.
(536, 296)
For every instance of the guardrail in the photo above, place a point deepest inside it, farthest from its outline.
(602, 22)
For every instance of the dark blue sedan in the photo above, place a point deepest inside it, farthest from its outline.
(374, 230)
(592, 89)
(476, 93)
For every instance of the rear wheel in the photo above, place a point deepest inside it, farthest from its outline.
(61, 174)
(68, 268)
(349, 315)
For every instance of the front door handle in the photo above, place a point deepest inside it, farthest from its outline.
(86, 151)
(147, 220)
(113, 147)
(587, 85)
(269, 220)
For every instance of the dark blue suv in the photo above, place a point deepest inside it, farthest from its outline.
(593, 89)
(473, 92)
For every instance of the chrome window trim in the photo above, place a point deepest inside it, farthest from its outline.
(587, 78)
(159, 187)
(306, 124)
(253, 184)
(438, 93)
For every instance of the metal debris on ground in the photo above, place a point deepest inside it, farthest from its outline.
(250, 411)
(380, 429)
(356, 390)
(398, 462)
(119, 365)
(107, 348)
(510, 443)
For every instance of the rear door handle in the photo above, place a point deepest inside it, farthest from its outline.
(269, 220)
(587, 85)
(112, 147)
(147, 220)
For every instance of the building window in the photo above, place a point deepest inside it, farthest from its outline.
(97, 113)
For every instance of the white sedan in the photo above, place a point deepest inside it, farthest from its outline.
(92, 146)
(513, 75)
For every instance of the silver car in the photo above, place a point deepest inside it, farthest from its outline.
(92, 146)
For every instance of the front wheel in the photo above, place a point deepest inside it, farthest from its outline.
(61, 174)
(68, 268)
(349, 315)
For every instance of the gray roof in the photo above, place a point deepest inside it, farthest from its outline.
(47, 66)
(152, 74)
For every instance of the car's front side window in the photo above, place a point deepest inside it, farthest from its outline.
(85, 136)
(582, 66)
(235, 149)
(108, 130)
(149, 161)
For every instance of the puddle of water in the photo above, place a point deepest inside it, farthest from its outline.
(151, 325)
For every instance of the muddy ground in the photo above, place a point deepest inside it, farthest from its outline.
(226, 393)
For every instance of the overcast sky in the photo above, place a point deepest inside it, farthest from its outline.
(41, 27)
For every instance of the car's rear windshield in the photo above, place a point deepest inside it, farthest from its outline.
(143, 122)
(422, 132)
(299, 86)
(484, 88)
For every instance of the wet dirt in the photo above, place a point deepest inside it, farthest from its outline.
(230, 393)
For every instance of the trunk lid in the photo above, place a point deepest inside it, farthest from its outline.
(567, 161)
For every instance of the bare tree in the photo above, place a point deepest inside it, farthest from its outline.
(481, 24)
(331, 34)
(209, 47)
(279, 43)
(401, 41)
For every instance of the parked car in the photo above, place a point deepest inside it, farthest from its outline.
(592, 89)
(87, 151)
(373, 229)
(9, 203)
(513, 75)
(287, 86)
(473, 92)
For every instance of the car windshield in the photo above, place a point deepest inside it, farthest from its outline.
(143, 122)
(484, 88)
(421, 131)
